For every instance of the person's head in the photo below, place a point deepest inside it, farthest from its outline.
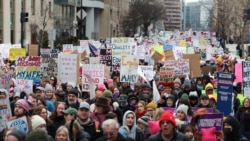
(177, 83)
(41, 111)
(33, 99)
(145, 89)
(246, 103)
(129, 118)
(209, 89)
(102, 105)
(37, 135)
(53, 81)
(74, 129)
(62, 134)
(3, 94)
(231, 126)
(123, 100)
(187, 130)
(72, 96)
(40, 92)
(132, 99)
(6, 132)
(193, 98)
(40, 101)
(49, 92)
(142, 122)
(158, 113)
(181, 112)
(16, 135)
(21, 108)
(170, 101)
(167, 124)
(59, 108)
(204, 100)
(83, 111)
(70, 85)
(70, 114)
(108, 94)
(151, 107)
(141, 106)
(111, 115)
(110, 129)
(38, 122)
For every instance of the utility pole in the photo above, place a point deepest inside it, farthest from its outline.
(81, 21)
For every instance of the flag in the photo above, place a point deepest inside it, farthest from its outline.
(156, 94)
(93, 49)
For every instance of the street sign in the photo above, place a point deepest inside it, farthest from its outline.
(81, 11)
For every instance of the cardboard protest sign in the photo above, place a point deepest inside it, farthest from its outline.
(5, 50)
(28, 68)
(33, 50)
(17, 52)
(5, 79)
(157, 56)
(95, 71)
(194, 63)
(68, 68)
(238, 72)
(106, 57)
(67, 48)
(211, 120)
(19, 123)
(225, 93)
(25, 85)
(180, 67)
(169, 55)
(120, 46)
(246, 78)
(5, 111)
(91, 86)
(129, 64)
(148, 72)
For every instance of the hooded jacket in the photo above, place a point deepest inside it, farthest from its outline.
(131, 132)
(211, 85)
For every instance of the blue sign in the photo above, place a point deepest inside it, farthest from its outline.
(167, 46)
(225, 93)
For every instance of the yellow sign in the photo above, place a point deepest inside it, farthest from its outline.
(158, 48)
(16, 52)
(183, 43)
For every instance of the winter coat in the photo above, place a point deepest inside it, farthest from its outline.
(244, 120)
(119, 138)
(177, 137)
(57, 122)
(91, 129)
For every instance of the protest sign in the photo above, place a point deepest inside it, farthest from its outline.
(94, 60)
(178, 52)
(157, 56)
(28, 68)
(95, 71)
(120, 46)
(107, 72)
(210, 110)
(246, 78)
(166, 74)
(106, 57)
(180, 67)
(90, 86)
(140, 51)
(238, 72)
(211, 120)
(194, 63)
(148, 72)
(169, 55)
(5, 50)
(225, 93)
(167, 46)
(67, 48)
(156, 94)
(25, 85)
(33, 50)
(19, 123)
(5, 110)
(129, 64)
(68, 68)
(5, 79)
(17, 52)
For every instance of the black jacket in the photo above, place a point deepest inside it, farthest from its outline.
(57, 122)
(119, 138)
(90, 128)
(177, 137)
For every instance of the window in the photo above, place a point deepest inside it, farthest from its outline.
(111, 12)
(50, 14)
(33, 7)
(41, 10)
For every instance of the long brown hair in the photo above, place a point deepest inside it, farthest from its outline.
(54, 113)
(74, 129)
(37, 111)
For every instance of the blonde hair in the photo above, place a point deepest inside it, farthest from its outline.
(158, 113)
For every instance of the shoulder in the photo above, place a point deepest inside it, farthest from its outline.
(181, 137)
(155, 137)
(100, 139)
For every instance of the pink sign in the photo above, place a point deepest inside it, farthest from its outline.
(238, 72)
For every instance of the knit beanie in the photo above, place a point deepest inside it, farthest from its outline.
(109, 81)
(152, 104)
(101, 87)
(20, 135)
(48, 87)
(187, 83)
(144, 120)
(36, 121)
(177, 80)
(24, 104)
(183, 108)
(193, 94)
(74, 92)
(107, 93)
(71, 84)
(185, 96)
(168, 115)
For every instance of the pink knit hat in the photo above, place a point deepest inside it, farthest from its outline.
(24, 104)
(109, 81)
(101, 87)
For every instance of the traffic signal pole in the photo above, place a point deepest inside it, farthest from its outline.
(23, 19)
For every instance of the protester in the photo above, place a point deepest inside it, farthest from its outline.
(38, 135)
(70, 114)
(16, 135)
(76, 132)
(62, 134)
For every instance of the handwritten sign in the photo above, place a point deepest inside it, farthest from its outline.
(246, 77)
(180, 67)
(129, 64)
(25, 85)
(67, 48)
(5, 111)
(16, 52)
(20, 124)
(211, 120)
(68, 68)
(28, 68)
(238, 72)
(106, 57)
(5, 79)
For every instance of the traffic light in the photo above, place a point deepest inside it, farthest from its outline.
(246, 14)
(24, 17)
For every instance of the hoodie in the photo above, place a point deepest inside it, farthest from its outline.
(210, 85)
(125, 130)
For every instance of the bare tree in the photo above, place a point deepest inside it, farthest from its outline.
(142, 13)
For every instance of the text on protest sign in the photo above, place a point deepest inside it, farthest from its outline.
(246, 78)
(25, 85)
(211, 120)
(19, 123)
(5, 111)
(180, 67)
(106, 57)
(129, 64)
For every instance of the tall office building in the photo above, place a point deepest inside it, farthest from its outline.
(173, 16)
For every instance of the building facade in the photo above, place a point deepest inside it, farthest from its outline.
(173, 16)
(10, 25)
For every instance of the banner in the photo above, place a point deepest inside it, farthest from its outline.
(120, 46)
(238, 72)
(166, 74)
(148, 72)
(180, 67)
(5, 79)
(67, 48)
(25, 85)
(211, 120)
(28, 68)
(68, 68)
(17, 52)
(210, 110)
(128, 72)
(246, 78)
(33, 50)
(19, 123)
(106, 57)
(225, 93)
(95, 71)
(5, 111)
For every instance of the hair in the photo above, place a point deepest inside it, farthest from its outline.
(54, 113)
(245, 108)
(74, 129)
(55, 81)
(7, 130)
(158, 113)
(65, 129)
(37, 111)
(42, 101)
(185, 128)
(110, 122)
(38, 135)
(143, 103)
(110, 115)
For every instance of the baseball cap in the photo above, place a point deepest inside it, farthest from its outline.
(84, 105)
(70, 110)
